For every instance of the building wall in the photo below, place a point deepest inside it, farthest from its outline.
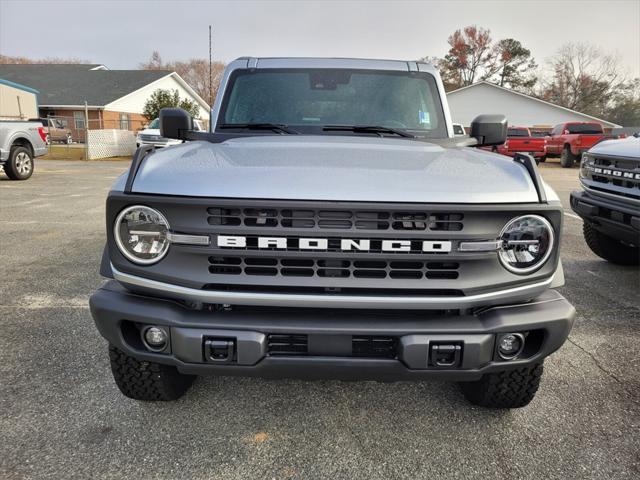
(13, 109)
(134, 102)
(466, 104)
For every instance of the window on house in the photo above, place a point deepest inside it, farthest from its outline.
(78, 120)
(124, 121)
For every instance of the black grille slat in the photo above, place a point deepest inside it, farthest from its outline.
(324, 219)
(333, 268)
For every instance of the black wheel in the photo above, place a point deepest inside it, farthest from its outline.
(543, 159)
(19, 166)
(147, 381)
(567, 158)
(508, 389)
(609, 248)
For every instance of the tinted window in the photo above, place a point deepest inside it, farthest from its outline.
(584, 128)
(458, 130)
(308, 99)
(517, 132)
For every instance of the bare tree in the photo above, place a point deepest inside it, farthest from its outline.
(6, 59)
(583, 78)
(194, 71)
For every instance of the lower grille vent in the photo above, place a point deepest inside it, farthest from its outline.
(287, 344)
(372, 346)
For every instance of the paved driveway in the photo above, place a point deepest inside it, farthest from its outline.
(61, 415)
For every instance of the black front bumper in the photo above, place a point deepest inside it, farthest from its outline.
(616, 220)
(330, 334)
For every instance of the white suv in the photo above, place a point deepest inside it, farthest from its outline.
(151, 135)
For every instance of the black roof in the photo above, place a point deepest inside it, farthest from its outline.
(73, 84)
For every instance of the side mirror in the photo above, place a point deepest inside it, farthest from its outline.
(175, 123)
(489, 129)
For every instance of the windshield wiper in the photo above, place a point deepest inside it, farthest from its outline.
(366, 129)
(276, 127)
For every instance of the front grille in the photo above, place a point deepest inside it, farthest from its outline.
(333, 268)
(335, 219)
(287, 344)
(152, 138)
(624, 165)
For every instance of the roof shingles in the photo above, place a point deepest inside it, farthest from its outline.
(68, 84)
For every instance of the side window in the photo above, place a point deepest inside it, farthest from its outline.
(124, 121)
(78, 120)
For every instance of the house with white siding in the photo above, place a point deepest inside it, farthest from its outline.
(520, 109)
(114, 98)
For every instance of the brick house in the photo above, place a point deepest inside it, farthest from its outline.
(114, 98)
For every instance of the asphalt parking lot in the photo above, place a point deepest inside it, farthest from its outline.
(61, 415)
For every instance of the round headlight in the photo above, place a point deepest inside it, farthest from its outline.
(141, 234)
(527, 242)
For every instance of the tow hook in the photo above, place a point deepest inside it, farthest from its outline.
(219, 350)
(445, 355)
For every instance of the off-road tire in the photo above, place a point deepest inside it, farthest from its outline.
(507, 389)
(567, 158)
(609, 248)
(147, 381)
(19, 165)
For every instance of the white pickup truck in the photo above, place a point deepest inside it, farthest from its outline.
(20, 143)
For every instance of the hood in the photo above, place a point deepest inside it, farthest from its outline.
(335, 168)
(624, 147)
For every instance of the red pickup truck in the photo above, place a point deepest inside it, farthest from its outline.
(520, 140)
(570, 140)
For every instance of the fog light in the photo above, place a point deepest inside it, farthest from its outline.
(156, 338)
(510, 345)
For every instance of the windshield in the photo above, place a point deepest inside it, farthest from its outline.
(155, 123)
(584, 128)
(308, 100)
(517, 132)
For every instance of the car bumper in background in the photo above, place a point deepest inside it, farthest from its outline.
(313, 343)
(617, 220)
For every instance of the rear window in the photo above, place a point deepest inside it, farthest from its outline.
(517, 132)
(584, 128)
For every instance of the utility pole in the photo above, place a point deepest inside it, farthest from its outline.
(210, 72)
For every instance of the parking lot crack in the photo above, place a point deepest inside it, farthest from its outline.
(600, 367)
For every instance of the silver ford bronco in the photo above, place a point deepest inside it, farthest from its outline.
(609, 201)
(331, 225)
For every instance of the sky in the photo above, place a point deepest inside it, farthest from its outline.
(121, 34)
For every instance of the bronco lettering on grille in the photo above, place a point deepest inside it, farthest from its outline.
(346, 244)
